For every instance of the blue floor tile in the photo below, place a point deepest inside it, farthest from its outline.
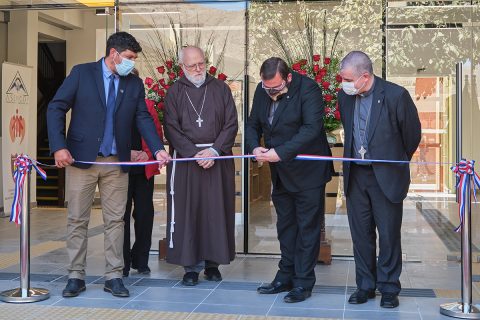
(240, 298)
(161, 306)
(229, 309)
(301, 312)
(174, 295)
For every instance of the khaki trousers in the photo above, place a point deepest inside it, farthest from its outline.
(113, 185)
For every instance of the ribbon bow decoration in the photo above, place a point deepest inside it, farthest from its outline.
(22, 167)
(465, 172)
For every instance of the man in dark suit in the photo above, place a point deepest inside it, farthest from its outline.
(104, 99)
(288, 112)
(380, 122)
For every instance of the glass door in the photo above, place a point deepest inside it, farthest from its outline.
(424, 42)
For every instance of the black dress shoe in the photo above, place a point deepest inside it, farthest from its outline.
(274, 287)
(73, 288)
(116, 288)
(389, 300)
(190, 279)
(361, 296)
(213, 274)
(297, 294)
(144, 270)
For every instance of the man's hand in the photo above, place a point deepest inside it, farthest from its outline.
(269, 155)
(63, 158)
(259, 151)
(134, 155)
(163, 157)
(205, 153)
(142, 156)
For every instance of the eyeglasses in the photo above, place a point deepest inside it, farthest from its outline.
(199, 65)
(274, 90)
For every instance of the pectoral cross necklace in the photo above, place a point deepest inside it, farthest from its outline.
(199, 114)
(363, 138)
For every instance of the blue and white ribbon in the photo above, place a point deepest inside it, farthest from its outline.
(465, 172)
(22, 166)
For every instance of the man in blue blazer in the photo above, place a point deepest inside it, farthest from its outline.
(105, 99)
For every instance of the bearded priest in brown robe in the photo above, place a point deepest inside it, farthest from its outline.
(200, 121)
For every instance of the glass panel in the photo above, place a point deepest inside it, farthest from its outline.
(218, 26)
(348, 25)
(425, 40)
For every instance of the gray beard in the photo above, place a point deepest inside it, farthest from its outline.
(197, 83)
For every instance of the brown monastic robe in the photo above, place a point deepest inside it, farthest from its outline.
(204, 200)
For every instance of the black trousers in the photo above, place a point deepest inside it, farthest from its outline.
(368, 210)
(140, 192)
(298, 228)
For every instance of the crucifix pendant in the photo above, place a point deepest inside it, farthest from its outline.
(199, 121)
(362, 152)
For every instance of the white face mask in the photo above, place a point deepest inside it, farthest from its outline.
(349, 87)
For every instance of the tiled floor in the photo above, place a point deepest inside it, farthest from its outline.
(428, 278)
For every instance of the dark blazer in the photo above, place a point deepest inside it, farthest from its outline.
(297, 128)
(83, 92)
(394, 133)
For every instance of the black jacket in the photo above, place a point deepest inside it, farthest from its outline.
(394, 133)
(297, 128)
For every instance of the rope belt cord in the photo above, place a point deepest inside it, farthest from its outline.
(172, 189)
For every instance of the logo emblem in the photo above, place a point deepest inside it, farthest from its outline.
(17, 127)
(17, 86)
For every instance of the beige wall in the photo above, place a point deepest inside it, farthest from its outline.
(22, 48)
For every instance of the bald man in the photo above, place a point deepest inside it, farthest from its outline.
(200, 121)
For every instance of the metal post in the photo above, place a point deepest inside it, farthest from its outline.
(463, 309)
(25, 294)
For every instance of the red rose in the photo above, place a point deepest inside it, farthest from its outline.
(160, 106)
(327, 110)
(171, 75)
(327, 61)
(169, 64)
(318, 78)
(162, 82)
(155, 88)
(338, 89)
(180, 73)
(337, 114)
(296, 67)
(161, 69)
(338, 78)
(326, 85)
(316, 68)
(149, 82)
(328, 97)
(316, 57)
(222, 77)
(212, 70)
(166, 87)
(303, 72)
(323, 72)
(161, 93)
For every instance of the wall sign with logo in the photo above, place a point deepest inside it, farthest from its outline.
(16, 105)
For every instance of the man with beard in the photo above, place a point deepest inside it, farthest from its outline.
(200, 121)
(288, 112)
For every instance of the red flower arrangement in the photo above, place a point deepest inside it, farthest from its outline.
(327, 77)
(168, 74)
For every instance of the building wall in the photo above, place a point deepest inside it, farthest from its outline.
(3, 57)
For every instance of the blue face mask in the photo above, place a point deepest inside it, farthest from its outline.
(125, 67)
